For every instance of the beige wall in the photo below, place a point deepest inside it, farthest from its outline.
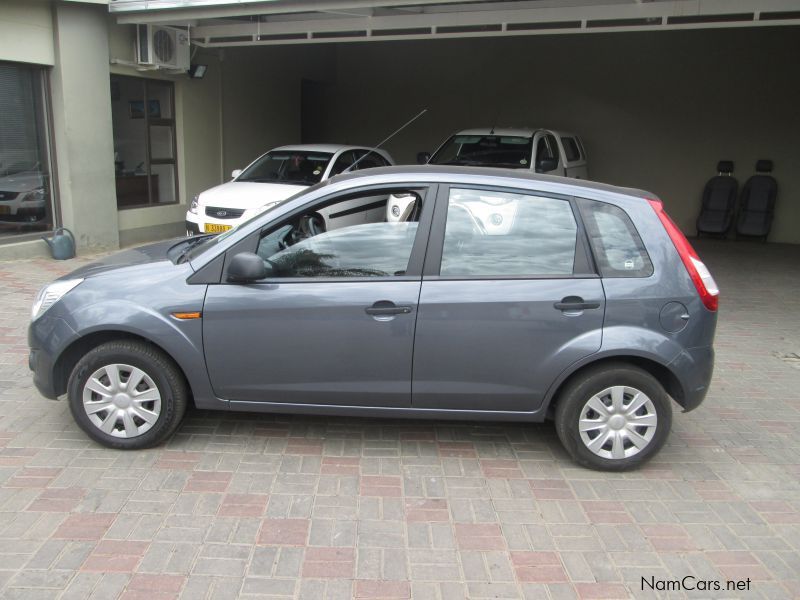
(26, 31)
(656, 110)
(261, 97)
(82, 138)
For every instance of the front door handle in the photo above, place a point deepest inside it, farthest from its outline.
(572, 303)
(387, 307)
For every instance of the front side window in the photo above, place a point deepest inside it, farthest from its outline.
(497, 234)
(571, 150)
(26, 193)
(507, 151)
(297, 167)
(348, 238)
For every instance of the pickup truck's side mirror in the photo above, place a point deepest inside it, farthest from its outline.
(235, 173)
(545, 165)
(246, 267)
(423, 158)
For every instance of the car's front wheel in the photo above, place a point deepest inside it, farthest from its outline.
(127, 395)
(614, 417)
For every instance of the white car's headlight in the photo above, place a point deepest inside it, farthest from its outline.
(50, 294)
(193, 206)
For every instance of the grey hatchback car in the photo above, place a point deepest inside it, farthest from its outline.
(498, 295)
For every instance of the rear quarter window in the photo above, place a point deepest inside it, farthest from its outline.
(571, 149)
(617, 246)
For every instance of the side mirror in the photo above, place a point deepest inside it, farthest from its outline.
(235, 173)
(246, 267)
(545, 165)
(423, 158)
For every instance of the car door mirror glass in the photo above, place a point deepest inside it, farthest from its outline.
(545, 165)
(246, 267)
(423, 158)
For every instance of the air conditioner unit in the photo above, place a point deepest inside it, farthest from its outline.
(162, 47)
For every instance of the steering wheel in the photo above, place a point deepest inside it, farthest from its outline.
(307, 226)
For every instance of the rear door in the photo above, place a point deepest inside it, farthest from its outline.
(508, 300)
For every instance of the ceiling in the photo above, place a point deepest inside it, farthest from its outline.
(219, 23)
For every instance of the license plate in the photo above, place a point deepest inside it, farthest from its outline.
(214, 228)
(4, 210)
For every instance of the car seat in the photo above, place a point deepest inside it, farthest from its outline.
(757, 206)
(719, 201)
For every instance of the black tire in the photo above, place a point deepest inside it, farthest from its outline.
(157, 366)
(582, 388)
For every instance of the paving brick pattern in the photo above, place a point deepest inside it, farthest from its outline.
(261, 506)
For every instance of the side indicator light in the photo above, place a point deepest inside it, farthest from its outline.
(185, 316)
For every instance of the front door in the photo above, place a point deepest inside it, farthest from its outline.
(508, 301)
(333, 325)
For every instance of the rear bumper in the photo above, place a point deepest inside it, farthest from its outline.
(694, 368)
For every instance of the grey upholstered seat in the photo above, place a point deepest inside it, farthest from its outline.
(757, 205)
(719, 201)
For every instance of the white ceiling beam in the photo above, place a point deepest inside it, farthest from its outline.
(651, 10)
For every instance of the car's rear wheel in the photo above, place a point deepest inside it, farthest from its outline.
(614, 417)
(127, 395)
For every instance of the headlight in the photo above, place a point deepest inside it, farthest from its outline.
(36, 195)
(193, 206)
(50, 294)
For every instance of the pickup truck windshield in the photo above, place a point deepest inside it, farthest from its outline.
(291, 166)
(486, 151)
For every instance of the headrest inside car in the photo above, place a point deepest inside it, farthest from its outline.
(764, 166)
(725, 166)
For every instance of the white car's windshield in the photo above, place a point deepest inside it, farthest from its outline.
(508, 151)
(297, 167)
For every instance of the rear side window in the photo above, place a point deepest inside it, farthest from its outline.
(571, 149)
(499, 234)
(617, 247)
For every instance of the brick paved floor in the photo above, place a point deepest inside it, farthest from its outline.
(274, 506)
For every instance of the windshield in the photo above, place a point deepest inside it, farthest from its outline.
(486, 151)
(298, 167)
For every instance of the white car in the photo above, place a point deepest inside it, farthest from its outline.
(539, 150)
(277, 175)
(23, 196)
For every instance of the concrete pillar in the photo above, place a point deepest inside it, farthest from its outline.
(83, 137)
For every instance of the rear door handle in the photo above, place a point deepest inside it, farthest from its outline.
(572, 303)
(386, 307)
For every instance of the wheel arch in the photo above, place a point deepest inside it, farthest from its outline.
(668, 380)
(67, 360)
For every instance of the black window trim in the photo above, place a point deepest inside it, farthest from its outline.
(583, 267)
(418, 249)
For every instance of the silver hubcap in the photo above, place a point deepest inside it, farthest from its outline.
(121, 400)
(618, 422)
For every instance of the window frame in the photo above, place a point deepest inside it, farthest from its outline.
(47, 133)
(149, 160)
(428, 191)
(583, 264)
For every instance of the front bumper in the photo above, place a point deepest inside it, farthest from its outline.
(47, 338)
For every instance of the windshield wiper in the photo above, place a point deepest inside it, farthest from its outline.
(191, 243)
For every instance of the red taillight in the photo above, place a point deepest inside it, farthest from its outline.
(702, 279)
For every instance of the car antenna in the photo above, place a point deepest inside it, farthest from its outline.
(373, 149)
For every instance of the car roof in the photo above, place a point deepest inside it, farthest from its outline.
(332, 148)
(443, 174)
(510, 131)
